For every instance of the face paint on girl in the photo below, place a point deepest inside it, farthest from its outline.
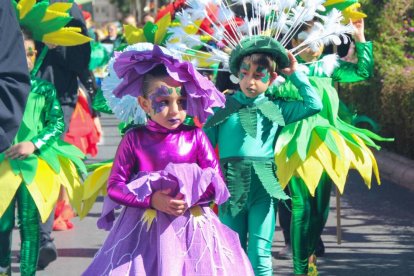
(158, 104)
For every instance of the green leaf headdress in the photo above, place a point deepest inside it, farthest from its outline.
(47, 22)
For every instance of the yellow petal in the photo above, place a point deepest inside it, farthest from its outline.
(49, 15)
(163, 25)
(9, 183)
(286, 167)
(311, 173)
(351, 13)
(191, 29)
(88, 203)
(148, 217)
(134, 35)
(96, 181)
(24, 6)
(332, 2)
(60, 7)
(202, 59)
(71, 181)
(65, 37)
(362, 162)
(44, 189)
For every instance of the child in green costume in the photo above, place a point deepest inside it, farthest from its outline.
(246, 130)
(318, 150)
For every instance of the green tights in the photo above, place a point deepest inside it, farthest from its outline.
(309, 215)
(29, 232)
(255, 222)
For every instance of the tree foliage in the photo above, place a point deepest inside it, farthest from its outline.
(389, 96)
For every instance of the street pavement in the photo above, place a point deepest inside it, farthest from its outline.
(377, 230)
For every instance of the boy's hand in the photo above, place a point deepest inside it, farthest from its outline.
(359, 35)
(20, 151)
(293, 65)
(161, 201)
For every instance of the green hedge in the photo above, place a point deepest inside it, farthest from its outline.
(388, 97)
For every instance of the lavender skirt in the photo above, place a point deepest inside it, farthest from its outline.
(149, 242)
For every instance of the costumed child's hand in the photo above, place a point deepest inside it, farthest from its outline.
(21, 150)
(359, 30)
(162, 201)
(293, 65)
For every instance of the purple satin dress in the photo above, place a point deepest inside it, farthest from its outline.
(147, 242)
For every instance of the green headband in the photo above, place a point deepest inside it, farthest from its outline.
(258, 44)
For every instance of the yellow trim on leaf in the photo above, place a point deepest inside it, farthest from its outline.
(24, 6)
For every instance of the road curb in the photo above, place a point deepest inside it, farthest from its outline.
(396, 168)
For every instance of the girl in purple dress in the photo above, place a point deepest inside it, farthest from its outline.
(165, 173)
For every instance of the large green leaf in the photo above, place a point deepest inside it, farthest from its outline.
(266, 172)
(248, 120)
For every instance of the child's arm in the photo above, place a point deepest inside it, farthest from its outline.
(297, 110)
(363, 69)
(125, 164)
(54, 124)
(206, 158)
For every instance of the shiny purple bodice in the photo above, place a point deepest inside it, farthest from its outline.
(151, 148)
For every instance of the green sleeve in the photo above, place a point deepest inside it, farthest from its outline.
(53, 122)
(362, 70)
(212, 133)
(297, 110)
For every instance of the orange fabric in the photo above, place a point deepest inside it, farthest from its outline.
(63, 215)
(82, 130)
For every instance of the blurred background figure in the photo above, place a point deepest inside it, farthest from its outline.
(130, 20)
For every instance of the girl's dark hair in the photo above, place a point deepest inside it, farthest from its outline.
(156, 73)
(264, 60)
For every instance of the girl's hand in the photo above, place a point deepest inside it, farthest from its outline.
(162, 201)
(20, 151)
(293, 65)
(359, 35)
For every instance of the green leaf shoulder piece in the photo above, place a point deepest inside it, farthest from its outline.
(272, 112)
(232, 106)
